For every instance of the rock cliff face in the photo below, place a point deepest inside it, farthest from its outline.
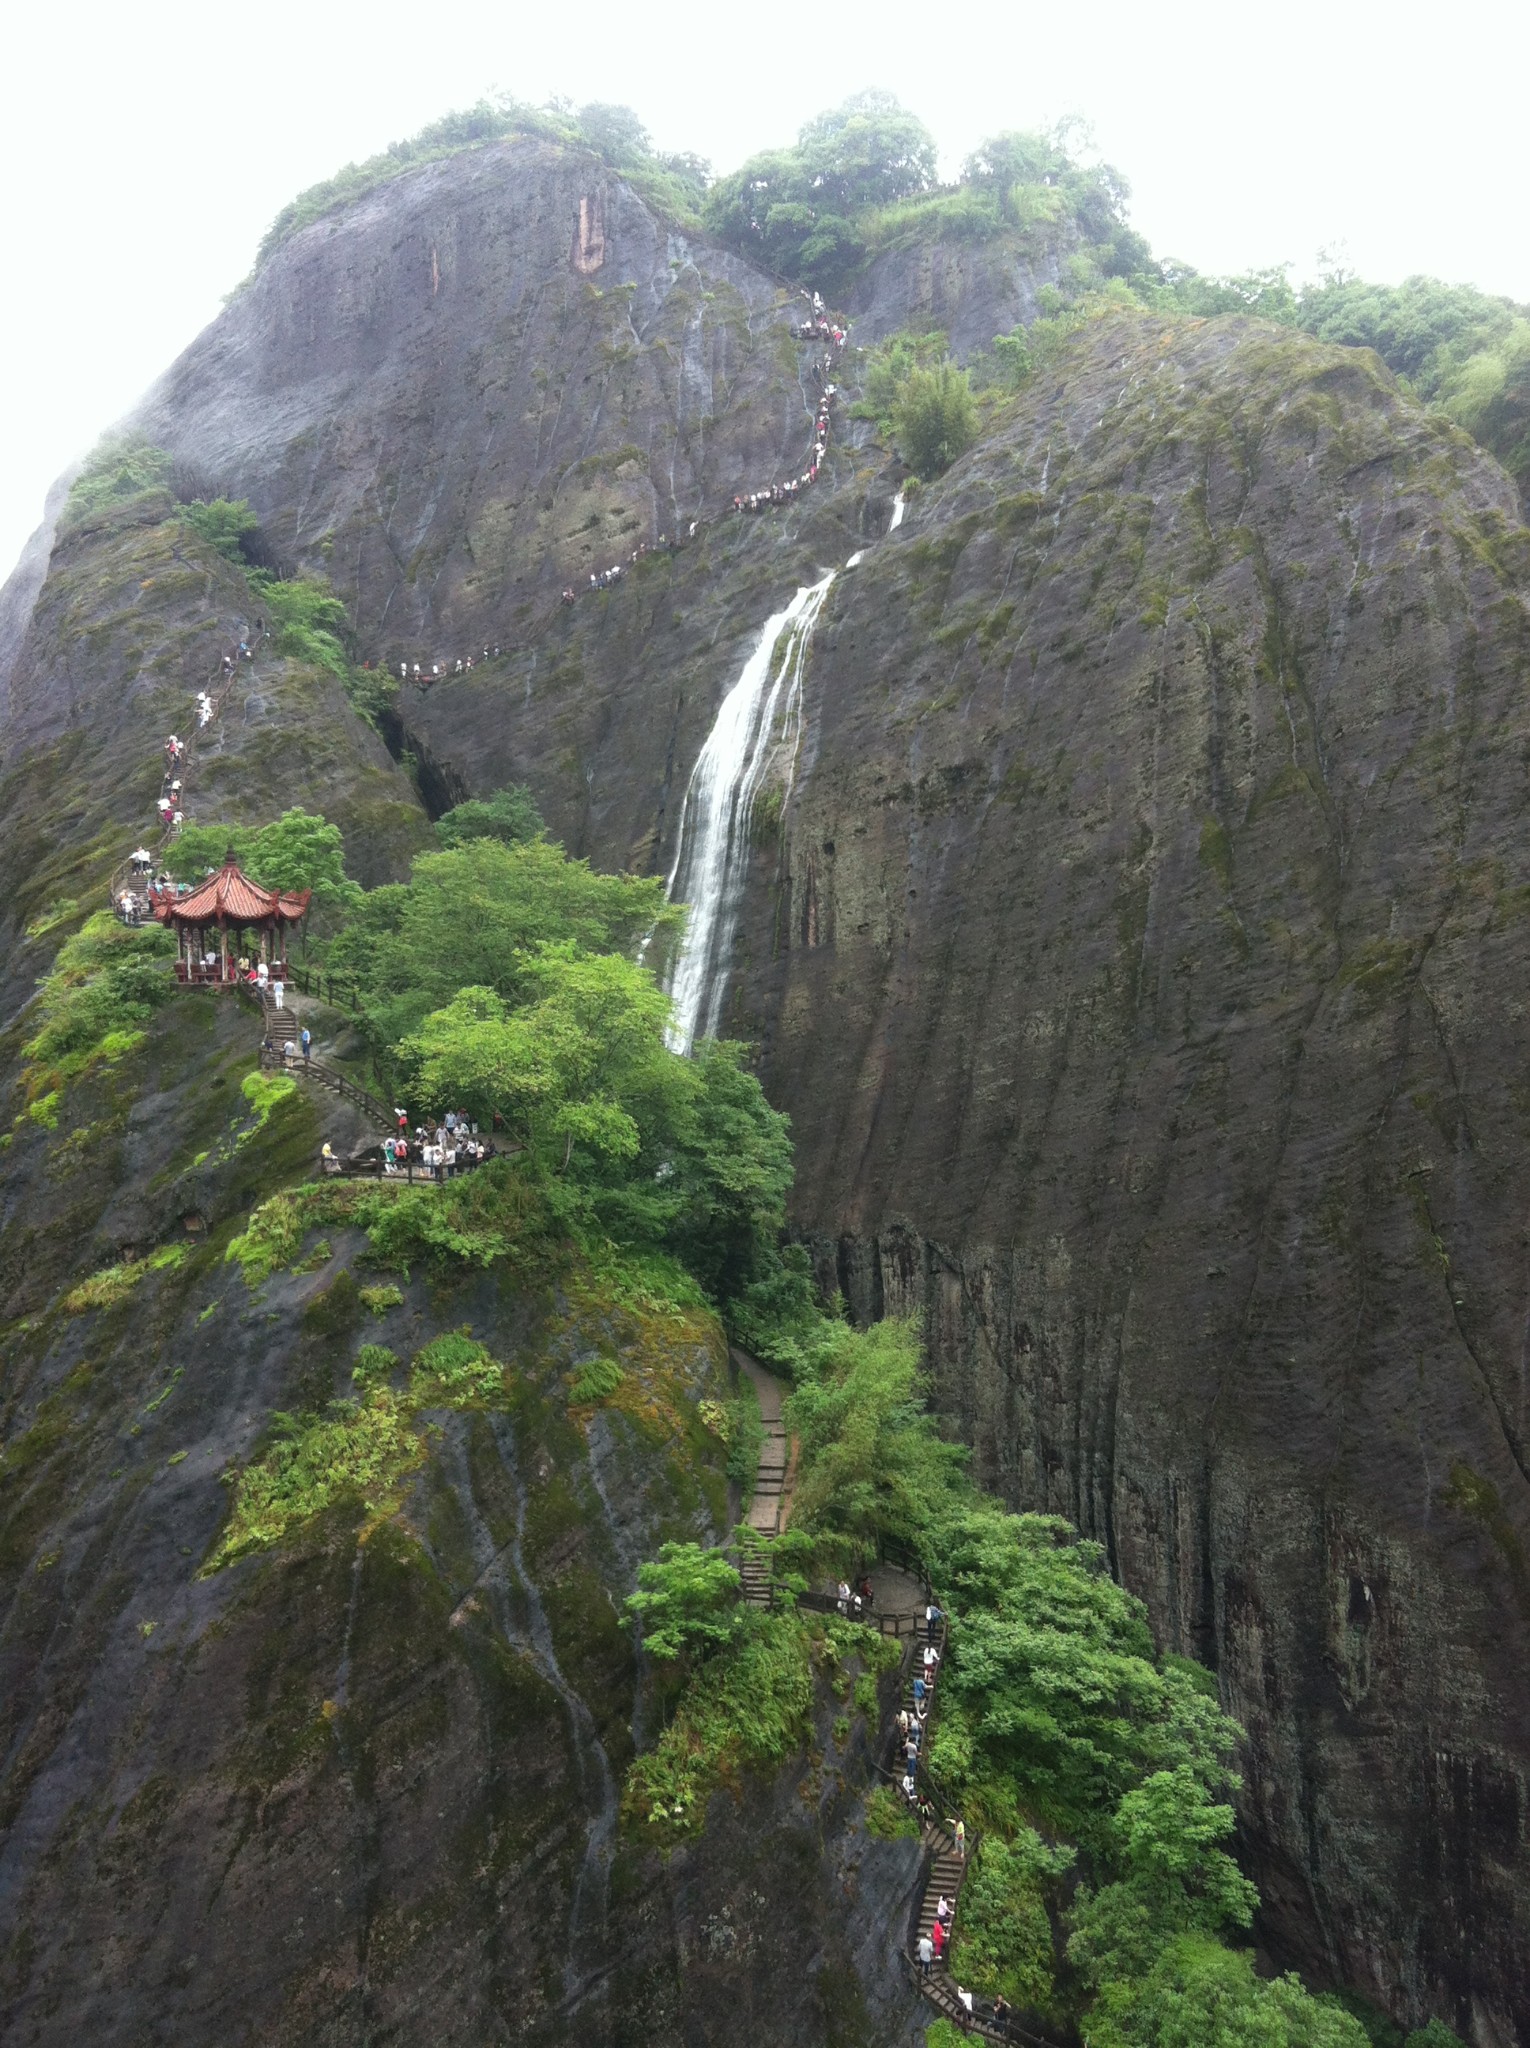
(971, 290)
(481, 382)
(363, 1787)
(1147, 975)
(1143, 955)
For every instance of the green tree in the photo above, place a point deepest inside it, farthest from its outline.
(1003, 1944)
(687, 1601)
(935, 419)
(1421, 328)
(225, 524)
(556, 1069)
(299, 850)
(508, 814)
(797, 209)
(470, 915)
(867, 152)
(1200, 1995)
(680, 1154)
(1489, 395)
(1016, 158)
(1176, 1879)
(721, 1163)
(871, 1458)
(1267, 293)
(616, 132)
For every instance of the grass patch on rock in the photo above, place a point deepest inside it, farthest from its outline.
(746, 1709)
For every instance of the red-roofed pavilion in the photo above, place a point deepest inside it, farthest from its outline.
(228, 902)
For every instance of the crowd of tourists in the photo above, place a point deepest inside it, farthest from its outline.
(819, 328)
(911, 1726)
(130, 886)
(823, 373)
(911, 1740)
(423, 674)
(606, 579)
(448, 1146)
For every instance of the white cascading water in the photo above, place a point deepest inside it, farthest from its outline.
(714, 825)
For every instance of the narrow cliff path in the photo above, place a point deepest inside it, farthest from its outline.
(173, 786)
(829, 332)
(776, 1478)
(900, 1600)
(898, 1604)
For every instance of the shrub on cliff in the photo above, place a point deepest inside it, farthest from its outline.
(510, 815)
(935, 418)
(119, 468)
(226, 524)
(106, 981)
(687, 1602)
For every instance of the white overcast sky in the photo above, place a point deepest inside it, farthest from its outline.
(147, 143)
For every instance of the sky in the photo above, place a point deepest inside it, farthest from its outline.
(148, 143)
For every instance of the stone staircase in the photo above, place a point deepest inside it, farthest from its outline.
(770, 1503)
(282, 1024)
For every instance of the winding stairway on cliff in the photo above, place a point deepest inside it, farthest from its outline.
(899, 1601)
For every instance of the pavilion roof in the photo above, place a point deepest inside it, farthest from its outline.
(230, 898)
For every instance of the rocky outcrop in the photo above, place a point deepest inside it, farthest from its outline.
(362, 1786)
(1145, 968)
(486, 378)
(1142, 954)
(970, 289)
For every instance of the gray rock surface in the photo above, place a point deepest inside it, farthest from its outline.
(1145, 969)
(1142, 955)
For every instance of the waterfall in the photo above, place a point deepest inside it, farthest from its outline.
(897, 519)
(713, 853)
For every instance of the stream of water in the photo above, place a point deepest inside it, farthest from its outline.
(761, 713)
(713, 854)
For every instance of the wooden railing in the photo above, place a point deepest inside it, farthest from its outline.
(340, 991)
(274, 1059)
(896, 1625)
(889, 1551)
(942, 1993)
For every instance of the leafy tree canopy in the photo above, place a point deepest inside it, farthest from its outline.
(225, 524)
(298, 850)
(469, 916)
(509, 814)
(1198, 1994)
(935, 418)
(500, 980)
(687, 1601)
(796, 209)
